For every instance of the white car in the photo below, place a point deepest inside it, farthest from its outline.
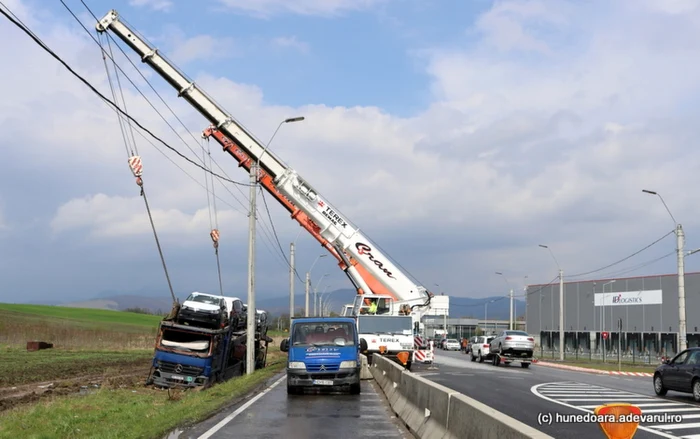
(452, 345)
(203, 309)
(518, 343)
(479, 349)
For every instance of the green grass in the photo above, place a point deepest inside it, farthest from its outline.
(599, 365)
(20, 367)
(76, 328)
(125, 413)
(85, 317)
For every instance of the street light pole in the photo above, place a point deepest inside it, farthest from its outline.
(603, 319)
(308, 284)
(510, 296)
(680, 242)
(561, 304)
(250, 329)
(316, 309)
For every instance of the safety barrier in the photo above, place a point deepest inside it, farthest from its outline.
(365, 373)
(432, 411)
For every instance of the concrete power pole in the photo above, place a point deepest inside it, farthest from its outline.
(680, 242)
(510, 321)
(291, 283)
(561, 314)
(308, 283)
(250, 330)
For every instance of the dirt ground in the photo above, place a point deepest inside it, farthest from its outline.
(129, 374)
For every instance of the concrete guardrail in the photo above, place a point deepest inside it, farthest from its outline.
(432, 411)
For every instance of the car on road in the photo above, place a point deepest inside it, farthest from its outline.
(479, 349)
(513, 342)
(680, 374)
(451, 344)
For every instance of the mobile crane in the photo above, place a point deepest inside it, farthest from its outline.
(374, 276)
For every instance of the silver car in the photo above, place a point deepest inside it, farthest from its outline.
(513, 342)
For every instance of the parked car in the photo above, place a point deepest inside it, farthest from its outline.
(680, 374)
(513, 342)
(451, 344)
(480, 348)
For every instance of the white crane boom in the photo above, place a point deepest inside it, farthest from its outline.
(334, 226)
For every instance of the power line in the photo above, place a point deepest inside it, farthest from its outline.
(623, 259)
(106, 99)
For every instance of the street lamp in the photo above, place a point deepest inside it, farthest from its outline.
(602, 319)
(308, 283)
(680, 241)
(510, 294)
(561, 304)
(254, 166)
(315, 293)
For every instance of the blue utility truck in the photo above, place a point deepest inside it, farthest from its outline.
(323, 352)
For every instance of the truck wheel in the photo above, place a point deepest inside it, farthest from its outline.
(355, 389)
(524, 365)
(481, 358)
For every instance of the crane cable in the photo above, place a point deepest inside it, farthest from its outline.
(211, 204)
(134, 159)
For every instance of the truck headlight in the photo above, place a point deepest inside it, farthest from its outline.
(348, 364)
(296, 365)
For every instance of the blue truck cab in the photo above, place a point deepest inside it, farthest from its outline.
(323, 352)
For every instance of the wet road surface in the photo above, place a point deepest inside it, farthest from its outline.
(274, 414)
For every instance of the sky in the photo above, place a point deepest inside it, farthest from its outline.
(459, 136)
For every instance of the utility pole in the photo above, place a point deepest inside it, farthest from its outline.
(308, 283)
(619, 345)
(561, 315)
(682, 337)
(252, 314)
(291, 283)
(680, 242)
(510, 321)
(250, 330)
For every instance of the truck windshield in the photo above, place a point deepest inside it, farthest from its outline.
(185, 341)
(385, 324)
(323, 334)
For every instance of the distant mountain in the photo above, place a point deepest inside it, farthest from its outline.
(467, 307)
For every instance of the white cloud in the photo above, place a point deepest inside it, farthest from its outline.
(291, 42)
(207, 47)
(552, 147)
(266, 8)
(156, 5)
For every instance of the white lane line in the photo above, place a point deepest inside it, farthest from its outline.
(240, 410)
(660, 404)
(677, 426)
(534, 390)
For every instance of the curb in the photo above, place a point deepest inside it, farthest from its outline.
(586, 369)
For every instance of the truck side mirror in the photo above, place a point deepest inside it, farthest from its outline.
(284, 345)
(363, 345)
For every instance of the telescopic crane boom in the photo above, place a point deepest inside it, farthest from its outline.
(370, 270)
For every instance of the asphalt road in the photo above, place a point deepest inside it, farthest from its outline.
(273, 414)
(524, 394)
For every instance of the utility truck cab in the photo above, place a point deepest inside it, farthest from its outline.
(323, 352)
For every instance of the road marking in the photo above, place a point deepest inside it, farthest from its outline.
(582, 395)
(240, 410)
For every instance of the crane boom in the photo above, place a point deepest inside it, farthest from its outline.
(332, 226)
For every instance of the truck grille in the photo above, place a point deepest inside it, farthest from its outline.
(328, 367)
(183, 369)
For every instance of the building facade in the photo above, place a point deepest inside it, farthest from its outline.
(646, 307)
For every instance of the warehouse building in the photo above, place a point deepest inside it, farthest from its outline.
(647, 308)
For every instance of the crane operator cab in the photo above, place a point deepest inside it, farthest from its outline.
(372, 305)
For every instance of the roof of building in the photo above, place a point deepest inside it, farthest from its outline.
(609, 279)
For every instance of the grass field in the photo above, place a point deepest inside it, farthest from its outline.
(129, 413)
(76, 328)
(599, 365)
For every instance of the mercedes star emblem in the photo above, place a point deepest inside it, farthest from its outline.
(178, 368)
